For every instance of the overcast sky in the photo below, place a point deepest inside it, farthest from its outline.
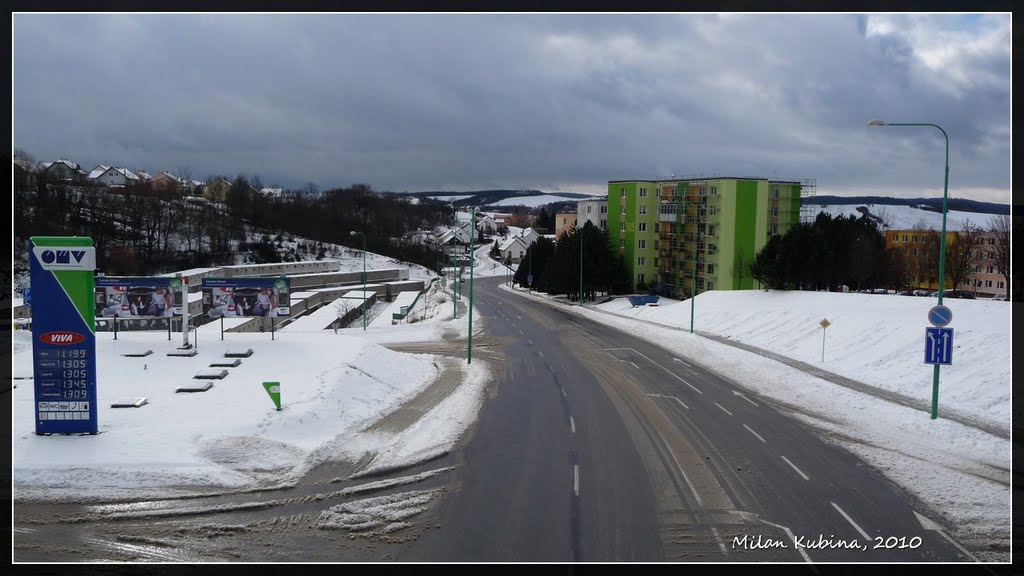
(554, 102)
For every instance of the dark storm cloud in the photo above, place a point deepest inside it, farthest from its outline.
(556, 102)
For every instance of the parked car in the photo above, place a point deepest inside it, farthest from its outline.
(959, 294)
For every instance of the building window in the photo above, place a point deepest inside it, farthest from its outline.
(711, 268)
(775, 230)
(656, 243)
(657, 192)
(623, 209)
(604, 224)
(642, 244)
(622, 226)
(988, 283)
(623, 191)
(714, 190)
(775, 193)
(641, 261)
(643, 209)
(712, 210)
(914, 237)
(711, 286)
(712, 248)
(604, 209)
(775, 210)
(1000, 285)
(639, 278)
(622, 243)
(904, 237)
(643, 192)
(641, 227)
(588, 209)
(711, 230)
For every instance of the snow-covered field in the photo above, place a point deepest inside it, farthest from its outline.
(906, 217)
(960, 471)
(535, 201)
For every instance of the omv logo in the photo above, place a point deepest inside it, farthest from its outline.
(61, 337)
(66, 258)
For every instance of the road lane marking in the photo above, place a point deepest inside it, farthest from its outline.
(850, 520)
(539, 353)
(681, 362)
(520, 331)
(572, 425)
(929, 525)
(530, 341)
(669, 371)
(724, 410)
(754, 433)
(740, 394)
(672, 397)
(563, 391)
(576, 479)
(718, 537)
(798, 471)
(789, 533)
(610, 349)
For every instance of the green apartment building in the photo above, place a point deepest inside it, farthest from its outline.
(697, 234)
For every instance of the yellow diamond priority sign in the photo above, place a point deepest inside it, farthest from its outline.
(825, 323)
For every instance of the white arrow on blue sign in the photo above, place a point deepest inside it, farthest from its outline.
(940, 315)
(938, 346)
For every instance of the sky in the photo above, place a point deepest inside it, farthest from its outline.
(556, 102)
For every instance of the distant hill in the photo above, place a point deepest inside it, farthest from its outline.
(498, 197)
(934, 204)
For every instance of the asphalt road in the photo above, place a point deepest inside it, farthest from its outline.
(598, 446)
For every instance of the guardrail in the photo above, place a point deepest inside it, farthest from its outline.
(401, 316)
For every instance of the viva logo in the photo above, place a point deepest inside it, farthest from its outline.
(61, 337)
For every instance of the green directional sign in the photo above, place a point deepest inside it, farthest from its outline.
(274, 390)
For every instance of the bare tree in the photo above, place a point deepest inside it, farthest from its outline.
(961, 254)
(999, 228)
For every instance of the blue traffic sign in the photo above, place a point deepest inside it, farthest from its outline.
(26, 296)
(529, 279)
(940, 315)
(938, 346)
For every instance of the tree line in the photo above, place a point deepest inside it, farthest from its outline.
(556, 266)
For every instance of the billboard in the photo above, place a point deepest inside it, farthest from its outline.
(63, 334)
(246, 297)
(139, 298)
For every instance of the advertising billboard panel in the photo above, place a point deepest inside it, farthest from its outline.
(246, 297)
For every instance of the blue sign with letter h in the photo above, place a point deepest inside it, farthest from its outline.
(938, 346)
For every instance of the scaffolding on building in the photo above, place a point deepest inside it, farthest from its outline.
(808, 189)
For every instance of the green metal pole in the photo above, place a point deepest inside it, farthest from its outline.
(942, 252)
(693, 276)
(469, 349)
(581, 267)
(364, 282)
(530, 271)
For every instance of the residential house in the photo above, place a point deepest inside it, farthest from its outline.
(486, 223)
(114, 177)
(529, 236)
(63, 171)
(920, 250)
(513, 249)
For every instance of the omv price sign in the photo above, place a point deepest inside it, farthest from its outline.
(63, 334)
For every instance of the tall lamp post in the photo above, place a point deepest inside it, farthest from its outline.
(353, 233)
(581, 265)
(942, 243)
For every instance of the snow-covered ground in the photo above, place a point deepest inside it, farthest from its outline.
(905, 217)
(333, 385)
(960, 471)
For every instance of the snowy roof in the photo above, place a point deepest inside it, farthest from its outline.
(510, 241)
(143, 174)
(127, 173)
(68, 163)
(98, 171)
(269, 191)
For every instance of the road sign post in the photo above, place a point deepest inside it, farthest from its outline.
(274, 391)
(824, 324)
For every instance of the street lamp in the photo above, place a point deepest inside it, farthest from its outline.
(942, 244)
(353, 233)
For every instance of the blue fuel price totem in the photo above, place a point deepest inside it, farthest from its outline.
(63, 334)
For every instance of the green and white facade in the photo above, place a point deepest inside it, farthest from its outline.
(691, 235)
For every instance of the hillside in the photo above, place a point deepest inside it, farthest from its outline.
(901, 217)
